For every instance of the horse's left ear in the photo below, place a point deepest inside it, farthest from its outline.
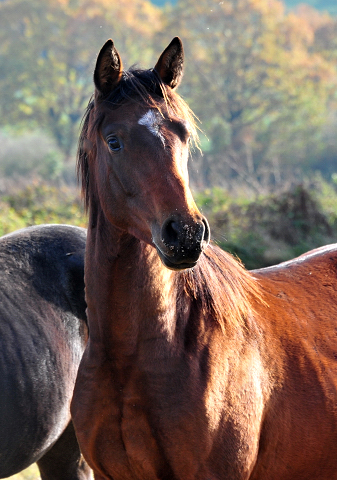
(108, 70)
(170, 63)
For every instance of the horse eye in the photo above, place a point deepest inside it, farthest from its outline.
(114, 144)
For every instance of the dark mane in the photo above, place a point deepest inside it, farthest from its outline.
(141, 86)
(223, 288)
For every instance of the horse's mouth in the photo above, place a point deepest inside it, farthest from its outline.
(173, 264)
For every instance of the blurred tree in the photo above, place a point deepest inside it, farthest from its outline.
(262, 80)
(295, 137)
(47, 54)
(251, 74)
(325, 45)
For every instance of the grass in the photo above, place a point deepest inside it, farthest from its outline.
(31, 473)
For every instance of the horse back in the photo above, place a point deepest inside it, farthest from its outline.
(42, 337)
(301, 294)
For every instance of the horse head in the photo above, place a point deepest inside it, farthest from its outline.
(133, 155)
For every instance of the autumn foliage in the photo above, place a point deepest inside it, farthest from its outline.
(261, 78)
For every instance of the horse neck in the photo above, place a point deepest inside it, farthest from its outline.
(131, 296)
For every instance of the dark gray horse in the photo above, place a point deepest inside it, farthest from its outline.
(43, 332)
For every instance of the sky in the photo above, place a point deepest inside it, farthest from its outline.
(329, 5)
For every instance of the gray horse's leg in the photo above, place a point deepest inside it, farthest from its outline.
(64, 460)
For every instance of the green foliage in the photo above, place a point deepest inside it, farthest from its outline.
(262, 231)
(272, 228)
(40, 203)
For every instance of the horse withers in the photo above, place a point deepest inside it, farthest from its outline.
(43, 332)
(195, 368)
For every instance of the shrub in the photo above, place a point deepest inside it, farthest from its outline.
(273, 228)
(40, 203)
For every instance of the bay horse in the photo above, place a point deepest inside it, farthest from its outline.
(43, 331)
(195, 368)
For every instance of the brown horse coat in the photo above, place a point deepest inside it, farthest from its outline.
(202, 370)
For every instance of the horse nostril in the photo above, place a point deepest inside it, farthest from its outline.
(170, 234)
(178, 235)
(207, 233)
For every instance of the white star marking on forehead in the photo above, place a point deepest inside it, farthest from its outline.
(152, 121)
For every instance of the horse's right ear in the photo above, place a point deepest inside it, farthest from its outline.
(108, 70)
(170, 64)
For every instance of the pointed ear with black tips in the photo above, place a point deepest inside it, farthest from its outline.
(108, 70)
(170, 64)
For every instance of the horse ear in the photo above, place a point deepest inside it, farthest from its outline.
(170, 63)
(108, 70)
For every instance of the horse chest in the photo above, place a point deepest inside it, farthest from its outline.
(127, 440)
(144, 430)
(137, 453)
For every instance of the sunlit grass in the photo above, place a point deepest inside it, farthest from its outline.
(31, 473)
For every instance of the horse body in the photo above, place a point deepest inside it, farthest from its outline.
(159, 391)
(195, 368)
(43, 333)
(300, 427)
(257, 403)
